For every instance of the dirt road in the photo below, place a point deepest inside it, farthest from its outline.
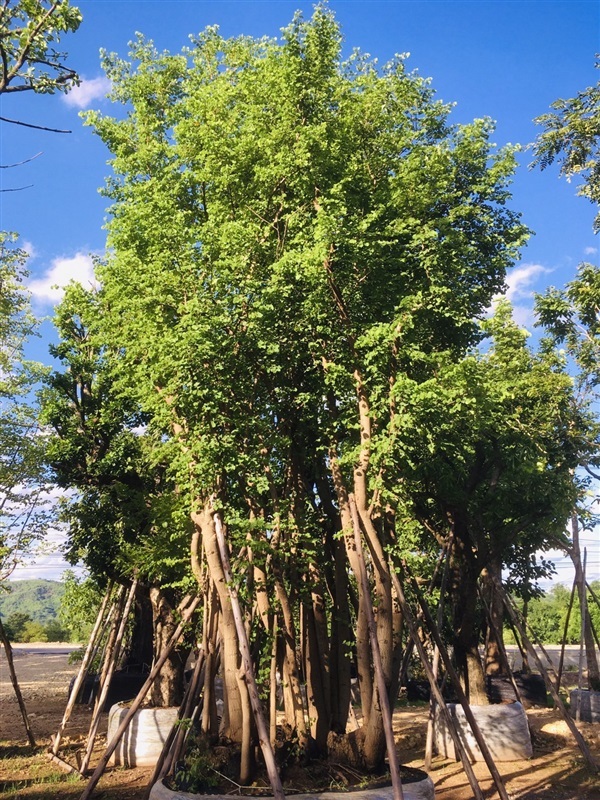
(556, 772)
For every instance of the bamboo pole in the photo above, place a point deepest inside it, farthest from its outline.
(377, 663)
(435, 690)
(186, 607)
(273, 684)
(436, 656)
(189, 705)
(83, 669)
(462, 699)
(551, 688)
(261, 727)
(15, 685)
(593, 594)
(500, 641)
(112, 659)
(561, 660)
(582, 642)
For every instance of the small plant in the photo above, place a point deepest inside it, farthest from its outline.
(196, 772)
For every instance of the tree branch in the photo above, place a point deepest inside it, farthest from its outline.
(30, 125)
(20, 163)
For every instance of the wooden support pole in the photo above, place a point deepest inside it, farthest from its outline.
(15, 685)
(377, 663)
(186, 607)
(462, 699)
(261, 727)
(188, 706)
(550, 685)
(112, 659)
(435, 690)
(436, 655)
(561, 660)
(83, 669)
(582, 639)
(170, 752)
(273, 684)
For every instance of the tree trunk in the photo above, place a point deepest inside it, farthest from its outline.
(167, 689)
(363, 654)
(140, 648)
(466, 627)
(494, 644)
(316, 663)
(232, 723)
(341, 634)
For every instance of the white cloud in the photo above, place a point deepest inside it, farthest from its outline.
(88, 90)
(29, 249)
(521, 280)
(590, 251)
(50, 287)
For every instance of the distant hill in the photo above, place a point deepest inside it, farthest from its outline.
(38, 598)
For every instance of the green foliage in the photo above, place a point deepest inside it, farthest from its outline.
(246, 283)
(570, 316)
(120, 514)
(22, 473)
(197, 772)
(572, 136)
(30, 31)
(547, 614)
(14, 625)
(39, 599)
(79, 605)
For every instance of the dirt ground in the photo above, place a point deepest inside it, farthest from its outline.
(557, 770)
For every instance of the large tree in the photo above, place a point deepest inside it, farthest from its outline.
(276, 264)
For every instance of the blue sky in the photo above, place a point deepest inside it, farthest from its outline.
(507, 60)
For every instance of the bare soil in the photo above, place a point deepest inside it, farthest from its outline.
(557, 770)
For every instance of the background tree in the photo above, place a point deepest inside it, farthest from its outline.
(571, 135)
(29, 33)
(120, 515)
(486, 448)
(23, 514)
(571, 315)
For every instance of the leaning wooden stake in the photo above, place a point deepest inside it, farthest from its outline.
(176, 738)
(561, 660)
(377, 663)
(15, 684)
(261, 726)
(112, 659)
(500, 641)
(189, 706)
(462, 698)
(435, 690)
(549, 683)
(582, 640)
(83, 669)
(436, 657)
(187, 608)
